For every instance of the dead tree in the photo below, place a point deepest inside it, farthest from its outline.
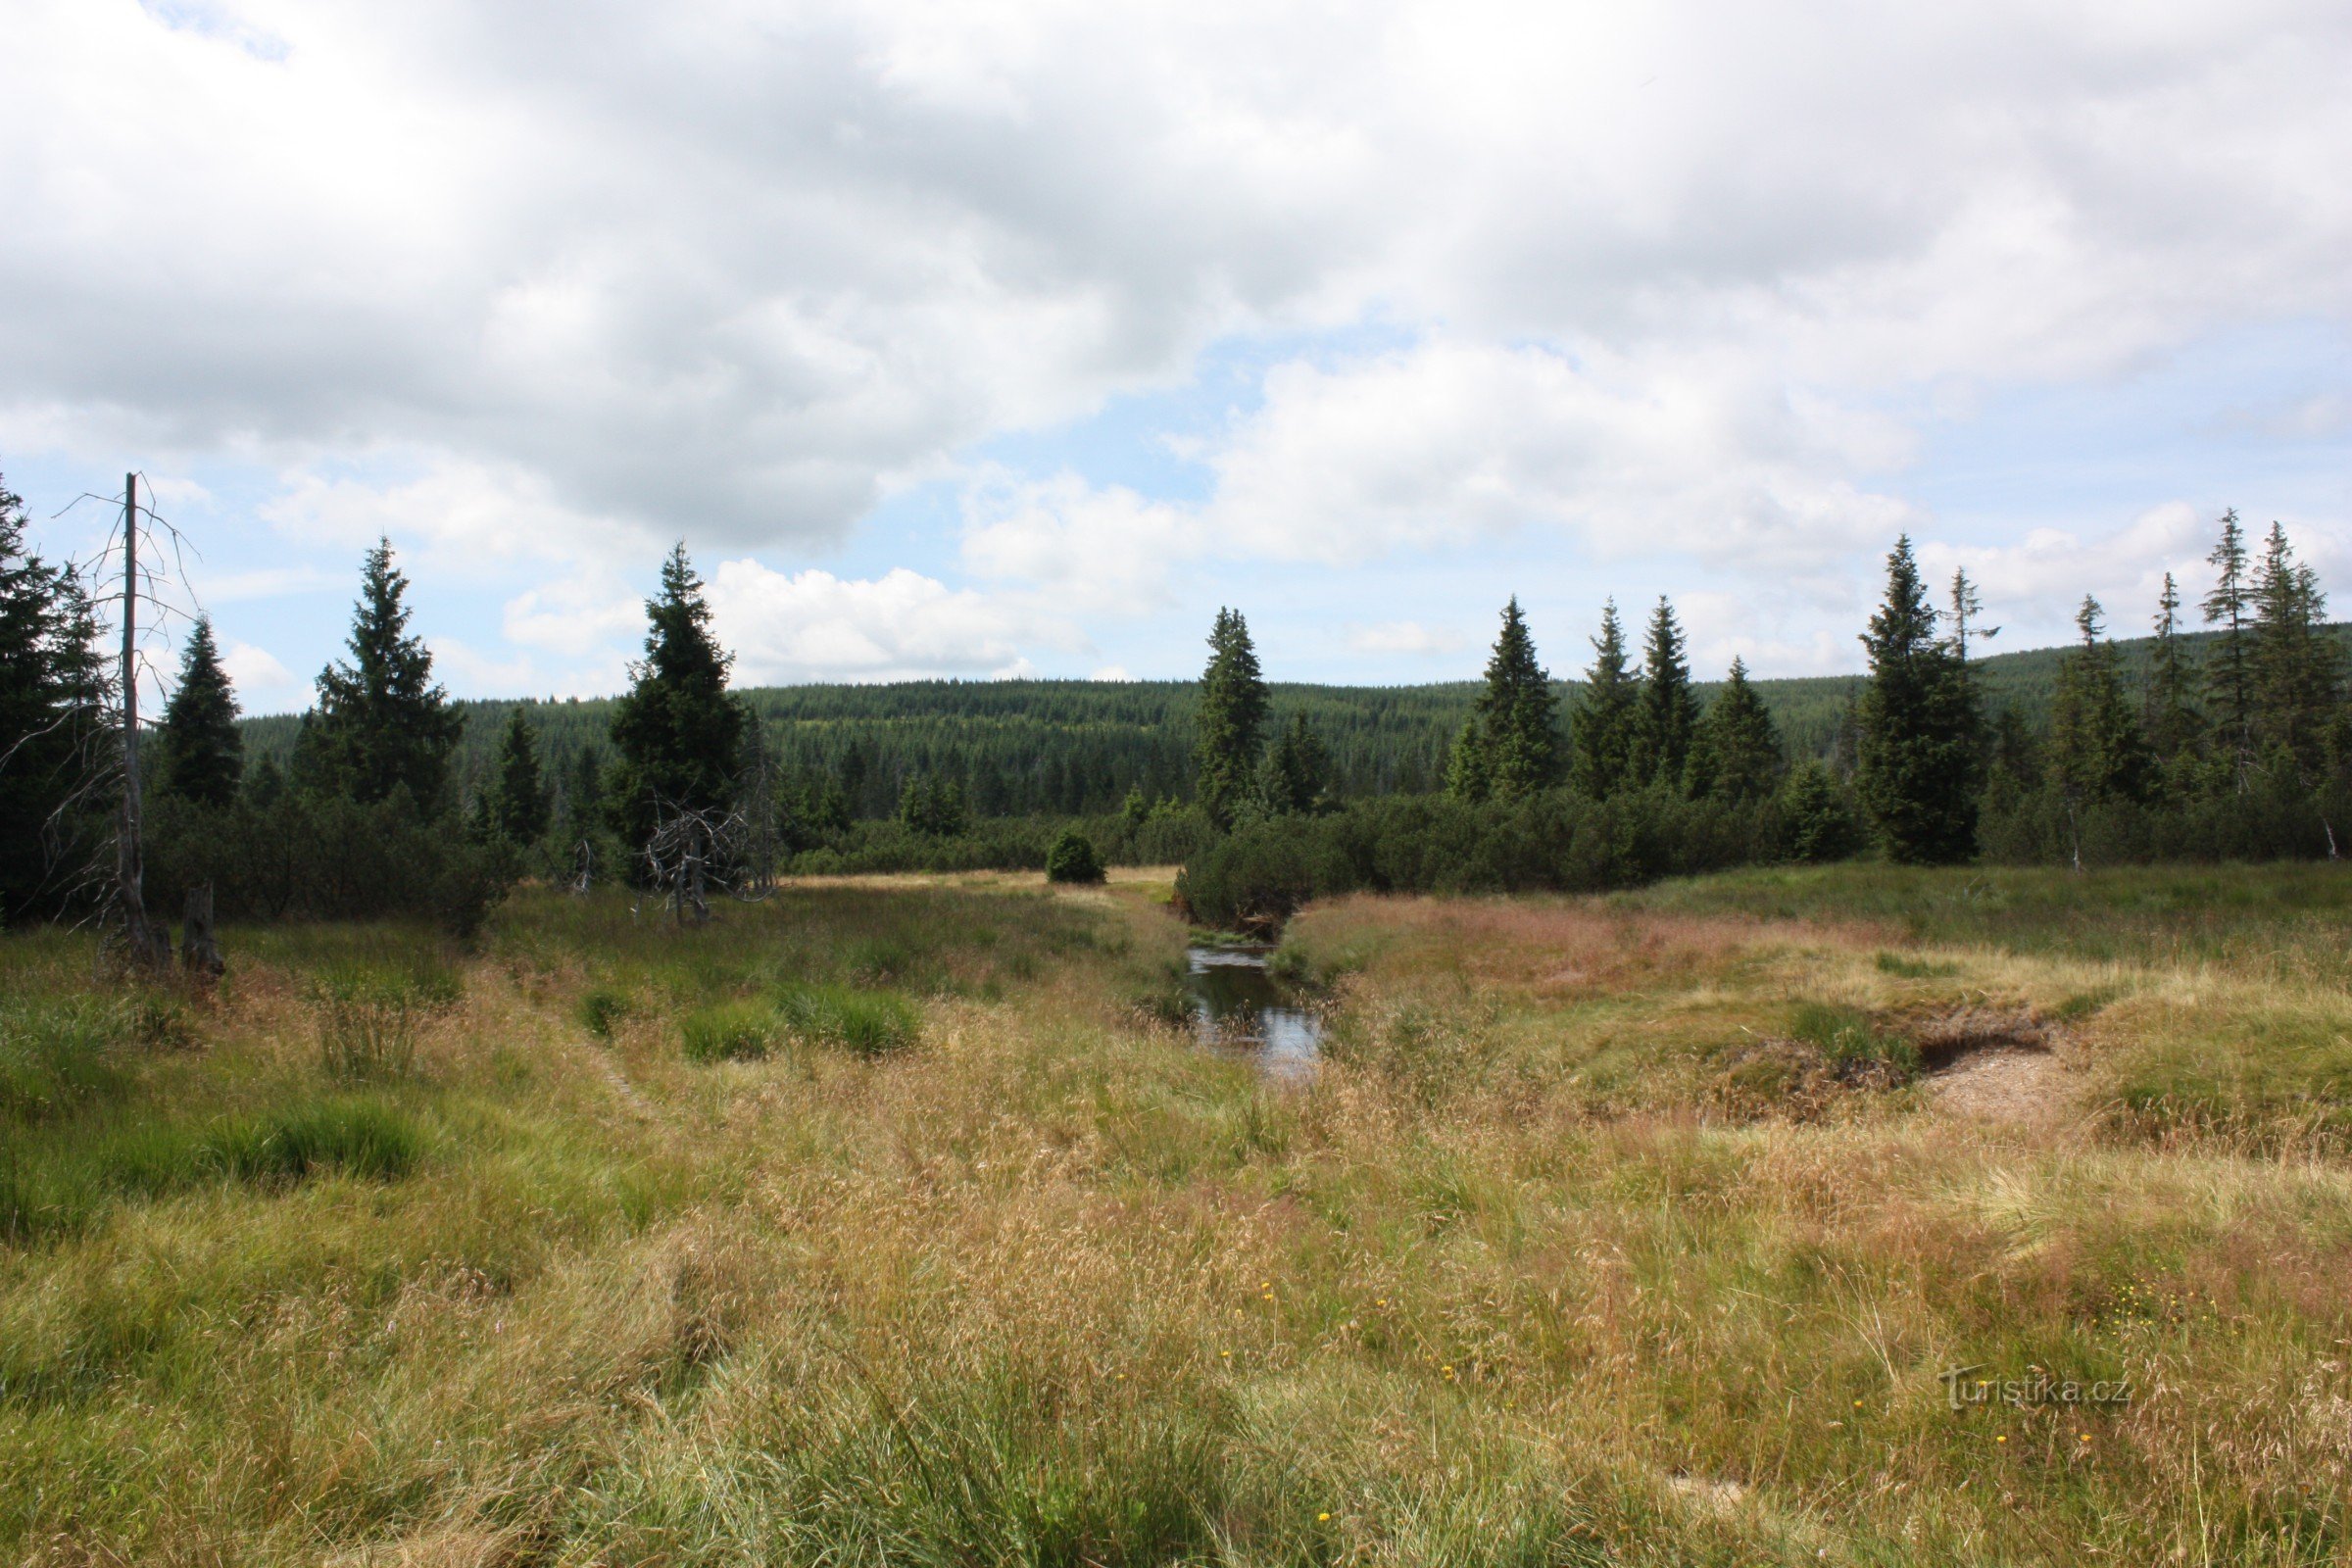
(110, 878)
(694, 853)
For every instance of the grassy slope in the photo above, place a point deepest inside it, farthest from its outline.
(1617, 1230)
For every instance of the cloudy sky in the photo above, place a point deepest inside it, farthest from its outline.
(999, 338)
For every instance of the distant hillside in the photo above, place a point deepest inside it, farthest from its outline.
(1071, 746)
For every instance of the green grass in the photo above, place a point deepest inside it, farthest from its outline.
(1616, 1231)
(2289, 919)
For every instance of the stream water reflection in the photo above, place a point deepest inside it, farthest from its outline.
(1240, 1008)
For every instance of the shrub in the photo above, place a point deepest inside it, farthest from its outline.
(1072, 858)
(1558, 840)
(306, 858)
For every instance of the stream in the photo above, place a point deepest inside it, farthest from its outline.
(1239, 1008)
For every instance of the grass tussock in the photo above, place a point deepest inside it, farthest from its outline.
(1608, 1233)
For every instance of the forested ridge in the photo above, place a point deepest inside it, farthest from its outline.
(1077, 746)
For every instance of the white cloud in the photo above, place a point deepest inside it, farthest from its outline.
(1446, 446)
(1408, 637)
(1107, 547)
(813, 625)
(574, 616)
(263, 685)
(468, 512)
(735, 272)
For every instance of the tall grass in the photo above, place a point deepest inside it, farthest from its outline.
(1516, 1280)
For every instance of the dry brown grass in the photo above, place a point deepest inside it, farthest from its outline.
(1507, 1283)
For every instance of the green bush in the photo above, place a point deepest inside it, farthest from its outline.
(1072, 858)
(299, 856)
(1255, 878)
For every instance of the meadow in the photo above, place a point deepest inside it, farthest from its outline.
(1761, 1219)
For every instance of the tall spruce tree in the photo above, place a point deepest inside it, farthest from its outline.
(1668, 711)
(2097, 754)
(519, 807)
(677, 733)
(1916, 752)
(2169, 715)
(380, 724)
(2229, 664)
(1603, 731)
(1735, 751)
(202, 751)
(1510, 748)
(2295, 664)
(1229, 725)
(50, 717)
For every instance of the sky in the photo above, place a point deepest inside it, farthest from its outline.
(996, 339)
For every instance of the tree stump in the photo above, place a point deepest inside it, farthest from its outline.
(199, 951)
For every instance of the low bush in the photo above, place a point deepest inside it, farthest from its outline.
(1255, 879)
(303, 857)
(1072, 858)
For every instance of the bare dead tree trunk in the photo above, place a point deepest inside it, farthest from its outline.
(147, 947)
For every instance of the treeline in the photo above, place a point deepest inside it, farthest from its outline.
(2232, 738)
(2242, 752)
(1071, 747)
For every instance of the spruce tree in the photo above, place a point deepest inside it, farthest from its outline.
(1735, 751)
(1510, 747)
(2293, 663)
(1230, 724)
(1668, 711)
(1469, 771)
(2169, 717)
(519, 807)
(678, 732)
(2096, 753)
(1297, 777)
(203, 752)
(380, 724)
(50, 713)
(1603, 732)
(932, 807)
(1916, 754)
(2229, 664)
